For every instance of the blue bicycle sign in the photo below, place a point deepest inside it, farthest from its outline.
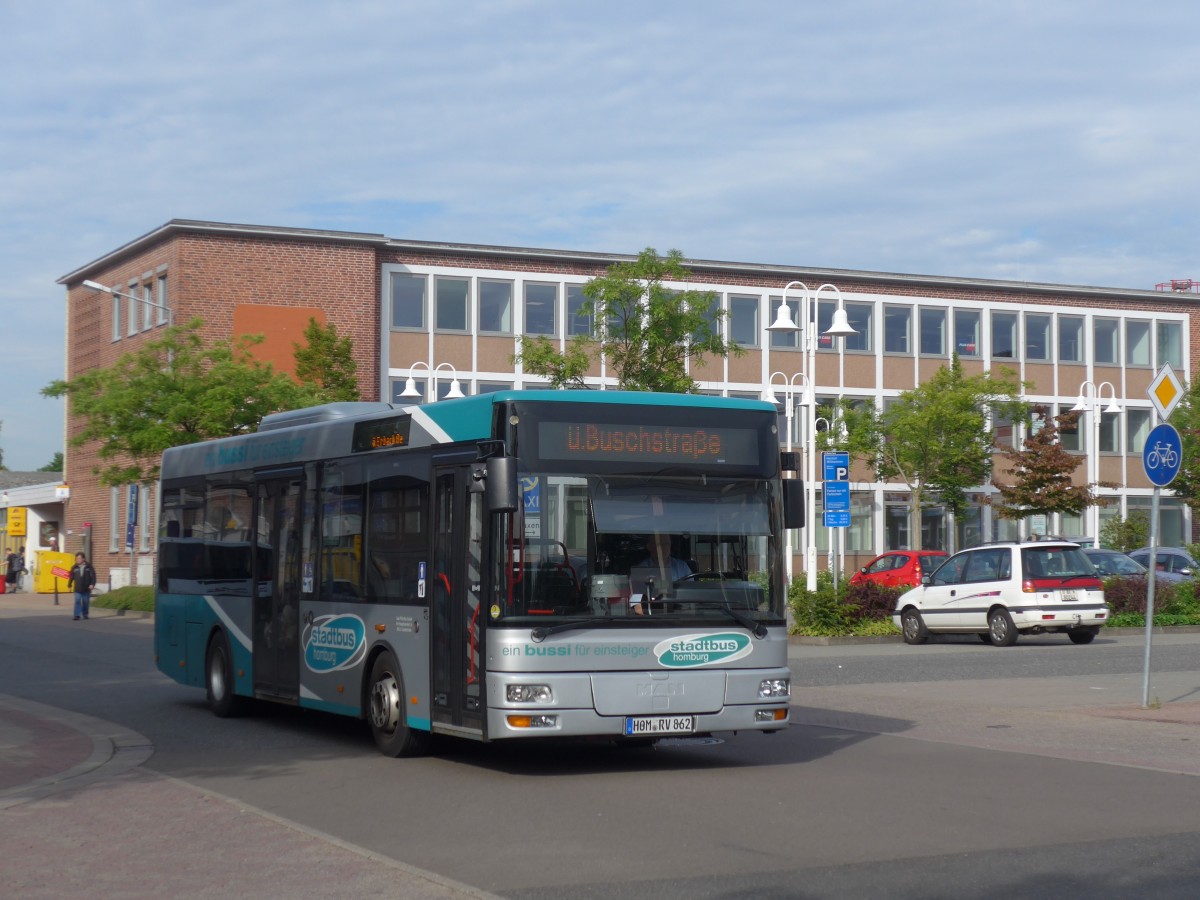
(1162, 454)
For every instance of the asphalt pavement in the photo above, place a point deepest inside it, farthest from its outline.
(81, 817)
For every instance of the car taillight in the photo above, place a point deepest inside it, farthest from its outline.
(1028, 587)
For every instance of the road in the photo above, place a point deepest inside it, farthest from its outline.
(949, 770)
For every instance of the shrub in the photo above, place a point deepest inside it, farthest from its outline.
(818, 612)
(869, 601)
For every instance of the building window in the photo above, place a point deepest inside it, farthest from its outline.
(490, 387)
(1110, 440)
(1170, 344)
(1070, 339)
(116, 317)
(147, 306)
(164, 300)
(860, 534)
(541, 305)
(1104, 337)
(1037, 337)
(966, 332)
(709, 306)
(577, 321)
(408, 301)
(743, 320)
(1004, 433)
(786, 339)
(1004, 335)
(1137, 343)
(933, 331)
(1138, 427)
(131, 310)
(495, 306)
(144, 519)
(897, 522)
(1071, 435)
(897, 329)
(861, 317)
(450, 301)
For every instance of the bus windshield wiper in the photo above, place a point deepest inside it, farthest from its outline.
(757, 628)
(541, 632)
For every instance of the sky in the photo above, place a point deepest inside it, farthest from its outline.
(1050, 141)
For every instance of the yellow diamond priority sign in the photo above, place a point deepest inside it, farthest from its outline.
(1165, 391)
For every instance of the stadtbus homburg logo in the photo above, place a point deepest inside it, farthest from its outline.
(334, 642)
(691, 650)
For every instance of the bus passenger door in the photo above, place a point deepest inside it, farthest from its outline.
(277, 555)
(454, 599)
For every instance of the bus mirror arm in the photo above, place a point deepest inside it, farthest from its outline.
(499, 478)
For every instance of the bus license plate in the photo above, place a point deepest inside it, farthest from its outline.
(643, 725)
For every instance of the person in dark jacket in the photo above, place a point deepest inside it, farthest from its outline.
(16, 568)
(82, 579)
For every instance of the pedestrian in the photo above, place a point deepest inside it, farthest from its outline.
(16, 566)
(83, 579)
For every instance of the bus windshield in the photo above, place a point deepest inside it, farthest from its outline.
(633, 548)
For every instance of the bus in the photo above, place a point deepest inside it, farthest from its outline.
(479, 567)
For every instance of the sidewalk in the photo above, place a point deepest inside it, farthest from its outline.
(75, 801)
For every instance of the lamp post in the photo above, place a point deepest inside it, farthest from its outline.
(1091, 396)
(97, 286)
(840, 328)
(410, 384)
(806, 399)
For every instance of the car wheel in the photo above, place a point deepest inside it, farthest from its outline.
(1082, 635)
(385, 704)
(913, 627)
(1001, 628)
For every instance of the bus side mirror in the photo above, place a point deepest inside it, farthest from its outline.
(500, 493)
(793, 503)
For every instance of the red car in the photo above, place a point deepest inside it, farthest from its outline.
(899, 568)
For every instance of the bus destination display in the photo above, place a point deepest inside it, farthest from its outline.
(648, 443)
(382, 434)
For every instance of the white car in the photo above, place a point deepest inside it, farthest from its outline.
(999, 591)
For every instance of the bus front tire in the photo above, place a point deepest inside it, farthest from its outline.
(385, 712)
(218, 679)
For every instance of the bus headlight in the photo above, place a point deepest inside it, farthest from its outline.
(775, 687)
(529, 693)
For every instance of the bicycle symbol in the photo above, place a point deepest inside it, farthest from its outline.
(1162, 455)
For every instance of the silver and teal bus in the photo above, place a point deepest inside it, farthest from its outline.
(520, 564)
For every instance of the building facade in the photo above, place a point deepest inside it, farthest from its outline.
(439, 314)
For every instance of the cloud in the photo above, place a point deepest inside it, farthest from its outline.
(1047, 141)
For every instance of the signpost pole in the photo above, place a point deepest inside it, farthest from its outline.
(1150, 596)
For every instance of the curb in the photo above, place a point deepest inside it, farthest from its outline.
(115, 750)
(802, 640)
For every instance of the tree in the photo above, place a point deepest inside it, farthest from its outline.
(1042, 473)
(55, 465)
(936, 439)
(326, 363)
(171, 391)
(1186, 419)
(646, 331)
(1126, 534)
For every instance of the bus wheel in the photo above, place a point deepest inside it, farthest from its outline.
(389, 727)
(218, 678)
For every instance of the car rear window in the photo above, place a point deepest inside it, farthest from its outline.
(1054, 562)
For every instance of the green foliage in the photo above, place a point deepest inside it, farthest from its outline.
(1186, 419)
(646, 331)
(936, 438)
(850, 609)
(139, 597)
(171, 391)
(55, 465)
(325, 362)
(1126, 534)
(1041, 472)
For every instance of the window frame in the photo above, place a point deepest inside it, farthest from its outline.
(483, 289)
(893, 313)
(443, 308)
(525, 317)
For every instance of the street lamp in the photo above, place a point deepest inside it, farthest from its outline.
(808, 325)
(410, 384)
(789, 394)
(97, 286)
(1091, 395)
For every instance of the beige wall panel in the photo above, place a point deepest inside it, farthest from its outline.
(1111, 469)
(1040, 377)
(1071, 379)
(406, 347)
(898, 373)
(746, 368)
(928, 367)
(494, 354)
(1137, 382)
(710, 368)
(454, 349)
(860, 370)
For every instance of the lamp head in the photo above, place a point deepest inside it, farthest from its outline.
(841, 326)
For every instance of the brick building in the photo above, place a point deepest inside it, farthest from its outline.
(438, 312)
